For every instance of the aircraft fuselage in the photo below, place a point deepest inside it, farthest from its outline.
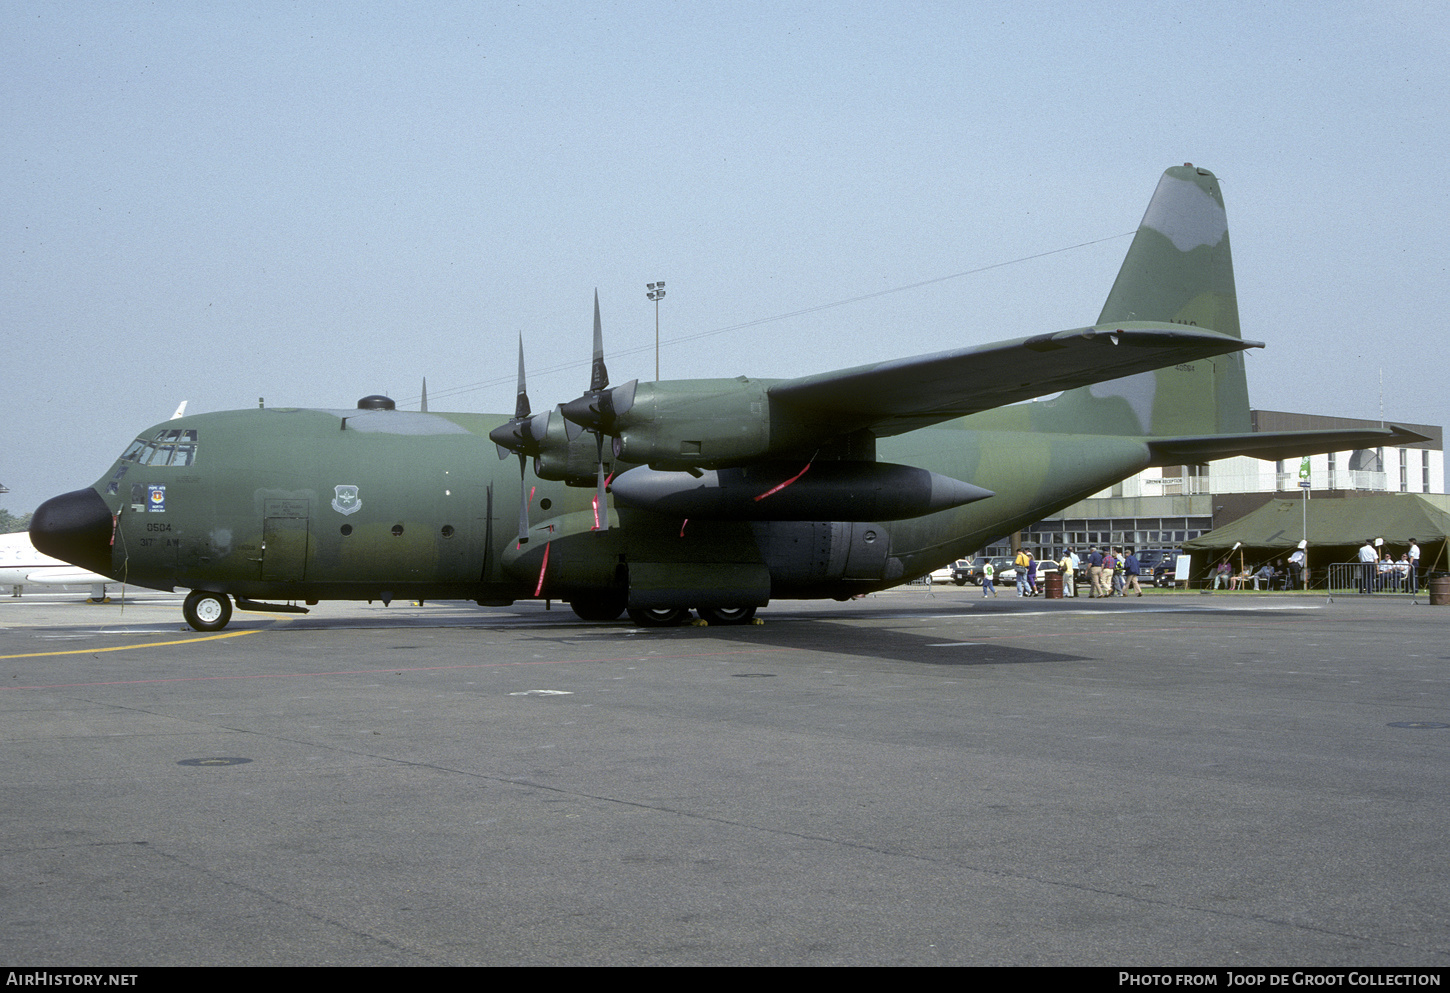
(300, 505)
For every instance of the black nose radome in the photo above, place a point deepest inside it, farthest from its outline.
(74, 527)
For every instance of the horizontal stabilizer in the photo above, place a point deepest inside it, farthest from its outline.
(906, 394)
(1276, 444)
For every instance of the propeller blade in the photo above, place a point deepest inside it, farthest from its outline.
(517, 434)
(572, 428)
(523, 503)
(621, 398)
(601, 506)
(599, 376)
(521, 405)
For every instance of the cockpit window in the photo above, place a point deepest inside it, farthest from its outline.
(169, 446)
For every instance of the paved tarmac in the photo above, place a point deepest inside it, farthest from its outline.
(1185, 779)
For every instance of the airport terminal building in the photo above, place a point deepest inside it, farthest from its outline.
(1164, 507)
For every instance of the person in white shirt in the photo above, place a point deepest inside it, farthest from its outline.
(1296, 569)
(1367, 559)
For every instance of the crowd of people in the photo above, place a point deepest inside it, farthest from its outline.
(1110, 571)
(1379, 571)
(1269, 576)
(1115, 571)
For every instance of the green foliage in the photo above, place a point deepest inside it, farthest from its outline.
(10, 523)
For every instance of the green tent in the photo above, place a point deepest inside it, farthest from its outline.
(1337, 528)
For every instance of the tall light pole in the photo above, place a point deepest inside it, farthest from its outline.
(1304, 478)
(656, 293)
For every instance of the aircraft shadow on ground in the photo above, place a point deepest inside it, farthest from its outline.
(829, 637)
(832, 638)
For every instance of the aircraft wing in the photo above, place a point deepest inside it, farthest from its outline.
(68, 576)
(905, 394)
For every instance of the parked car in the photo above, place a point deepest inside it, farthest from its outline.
(968, 571)
(1157, 565)
(958, 572)
(1004, 571)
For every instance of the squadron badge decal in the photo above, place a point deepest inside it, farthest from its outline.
(345, 500)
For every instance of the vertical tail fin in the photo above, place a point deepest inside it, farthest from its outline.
(1179, 269)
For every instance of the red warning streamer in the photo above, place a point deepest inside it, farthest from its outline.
(595, 501)
(539, 590)
(776, 489)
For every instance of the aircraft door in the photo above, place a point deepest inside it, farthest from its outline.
(284, 540)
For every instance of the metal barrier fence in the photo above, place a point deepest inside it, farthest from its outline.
(1368, 577)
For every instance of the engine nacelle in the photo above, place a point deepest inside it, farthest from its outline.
(702, 423)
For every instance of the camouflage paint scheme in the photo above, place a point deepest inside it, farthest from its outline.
(305, 505)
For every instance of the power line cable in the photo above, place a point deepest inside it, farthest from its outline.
(581, 363)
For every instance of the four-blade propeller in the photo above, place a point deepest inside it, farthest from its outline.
(522, 435)
(597, 411)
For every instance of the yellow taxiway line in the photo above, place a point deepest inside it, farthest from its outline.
(131, 648)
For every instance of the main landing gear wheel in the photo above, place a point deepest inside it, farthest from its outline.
(726, 615)
(207, 611)
(601, 609)
(659, 617)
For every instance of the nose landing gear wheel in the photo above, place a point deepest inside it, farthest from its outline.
(726, 615)
(207, 611)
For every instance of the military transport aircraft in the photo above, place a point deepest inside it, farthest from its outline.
(726, 493)
(21, 565)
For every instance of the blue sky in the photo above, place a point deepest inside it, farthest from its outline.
(314, 202)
